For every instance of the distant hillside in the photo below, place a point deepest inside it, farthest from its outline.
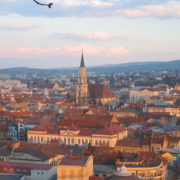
(125, 67)
(138, 67)
(28, 71)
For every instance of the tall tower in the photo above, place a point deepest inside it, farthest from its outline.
(82, 85)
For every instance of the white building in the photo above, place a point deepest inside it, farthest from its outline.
(76, 136)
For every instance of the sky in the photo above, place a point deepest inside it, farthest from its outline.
(107, 31)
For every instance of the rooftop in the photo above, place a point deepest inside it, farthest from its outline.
(74, 160)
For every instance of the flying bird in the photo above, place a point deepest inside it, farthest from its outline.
(42, 4)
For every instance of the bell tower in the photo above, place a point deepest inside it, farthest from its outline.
(82, 85)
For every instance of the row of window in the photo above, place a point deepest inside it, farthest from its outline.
(1, 159)
(70, 140)
(40, 173)
(18, 170)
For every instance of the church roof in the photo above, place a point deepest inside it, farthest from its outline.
(82, 61)
(99, 91)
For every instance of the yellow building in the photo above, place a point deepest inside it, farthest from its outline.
(75, 168)
(169, 157)
(141, 94)
(172, 110)
(155, 171)
(71, 136)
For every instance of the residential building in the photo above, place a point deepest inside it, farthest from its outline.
(75, 168)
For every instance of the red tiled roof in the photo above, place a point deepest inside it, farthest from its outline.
(110, 130)
(153, 89)
(49, 128)
(85, 132)
(157, 140)
(129, 143)
(99, 91)
(74, 160)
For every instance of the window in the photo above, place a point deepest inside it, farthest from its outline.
(42, 172)
(18, 169)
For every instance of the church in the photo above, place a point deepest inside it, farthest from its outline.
(91, 93)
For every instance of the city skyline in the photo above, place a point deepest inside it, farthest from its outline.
(109, 32)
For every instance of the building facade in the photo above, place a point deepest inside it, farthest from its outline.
(75, 168)
(82, 85)
(76, 136)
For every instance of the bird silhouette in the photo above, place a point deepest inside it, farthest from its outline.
(42, 4)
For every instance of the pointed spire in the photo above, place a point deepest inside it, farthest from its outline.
(82, 61)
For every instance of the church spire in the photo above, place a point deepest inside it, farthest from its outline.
(82, 61)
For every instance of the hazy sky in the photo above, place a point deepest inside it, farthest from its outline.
(108, 31)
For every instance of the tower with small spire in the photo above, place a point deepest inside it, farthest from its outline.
(82, 85)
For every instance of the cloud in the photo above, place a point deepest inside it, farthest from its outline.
(90, 3)
(94, 8)
(171, 9)
(17, 26)
(68, 51)
(88, 37)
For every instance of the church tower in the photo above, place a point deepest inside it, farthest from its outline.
(82, 85)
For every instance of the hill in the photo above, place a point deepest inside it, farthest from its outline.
(110, 68)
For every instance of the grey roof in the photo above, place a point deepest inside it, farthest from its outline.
(104, 168)
(5, 152)
(33, 152)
